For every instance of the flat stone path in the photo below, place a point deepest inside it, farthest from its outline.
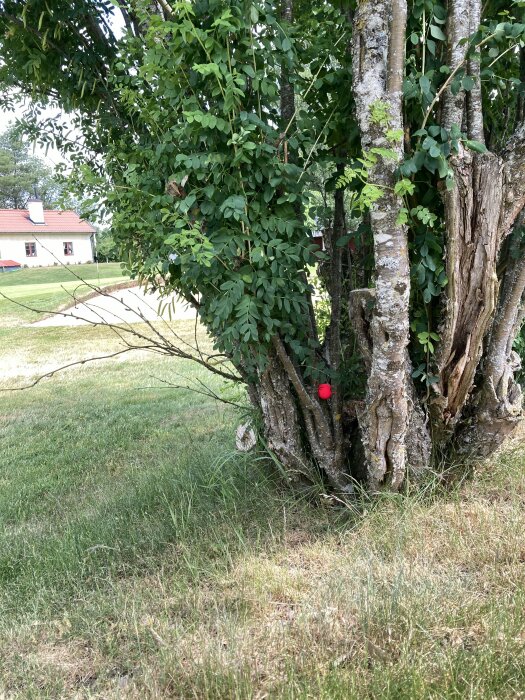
(123, 306)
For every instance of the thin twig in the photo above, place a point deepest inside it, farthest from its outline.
(71, 364)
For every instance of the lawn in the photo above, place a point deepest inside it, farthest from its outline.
(50, 288)
(142, 557)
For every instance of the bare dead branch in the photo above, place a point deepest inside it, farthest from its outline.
(158, 344)
(204, 391)
(47, 375)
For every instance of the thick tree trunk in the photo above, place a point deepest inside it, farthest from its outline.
(472, 213)
(281, 418)
(378, 52)
(297, 427)
(497, 407)
(300, 430)
(487, 194)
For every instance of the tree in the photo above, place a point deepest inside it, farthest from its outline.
(107, 249)
(21, 174)
(216, 132)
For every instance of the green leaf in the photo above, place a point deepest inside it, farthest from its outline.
(476, 146)
(443, 168)
(429, 143)
(402, 217)
(393, 135)
(403, 187)
(455, 86)
(424, 84)
(468, 82)
(386, 153)
(430, 263)
(437, 33)
(440, 12)
(341, 242)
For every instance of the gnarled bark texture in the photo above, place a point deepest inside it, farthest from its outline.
(487, 195)
(378, 54)
(472, 211)
(299, 429)
(497, 406)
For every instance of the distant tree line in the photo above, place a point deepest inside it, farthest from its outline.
(23, 175)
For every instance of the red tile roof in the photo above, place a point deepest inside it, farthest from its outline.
(9, 263)
(18, 221)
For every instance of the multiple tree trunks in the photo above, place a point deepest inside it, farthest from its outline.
(298, 428)
(478, 331)
(476, 402)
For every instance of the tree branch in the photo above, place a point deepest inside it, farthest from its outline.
(458, 28)
(474, 104)
(160, 344)
(47, 375)
(514, 179)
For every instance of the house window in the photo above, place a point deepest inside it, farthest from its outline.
(68, 249)
(30, 250)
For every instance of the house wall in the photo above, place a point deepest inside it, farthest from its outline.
(49, 248)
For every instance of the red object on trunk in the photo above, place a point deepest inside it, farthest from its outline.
(324, 391)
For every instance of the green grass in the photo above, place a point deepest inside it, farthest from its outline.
(48, 288)
(60, 274)
(142, 557)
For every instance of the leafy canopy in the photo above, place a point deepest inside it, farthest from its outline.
(210, 188)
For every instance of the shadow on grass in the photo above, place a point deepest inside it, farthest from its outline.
(201, 518)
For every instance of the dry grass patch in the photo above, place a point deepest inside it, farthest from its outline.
(140, 558)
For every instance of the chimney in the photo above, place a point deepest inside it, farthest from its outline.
(36, 210)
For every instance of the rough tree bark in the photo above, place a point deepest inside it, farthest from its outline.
(281, 418)
(298, 428)
(476, 401)
(472, 214)
(487, 195)
(378, 56)
(497, 406)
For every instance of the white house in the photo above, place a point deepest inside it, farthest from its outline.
(38, 238)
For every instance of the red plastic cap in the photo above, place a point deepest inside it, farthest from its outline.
(324, 391)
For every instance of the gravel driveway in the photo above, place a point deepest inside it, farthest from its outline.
(122, 306)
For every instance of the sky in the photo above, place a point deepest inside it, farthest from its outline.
(52, 157)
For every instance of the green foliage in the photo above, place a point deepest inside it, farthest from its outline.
(207, 184)
(380, 113)
(21, 174)
(208, 192)
(107, 249)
